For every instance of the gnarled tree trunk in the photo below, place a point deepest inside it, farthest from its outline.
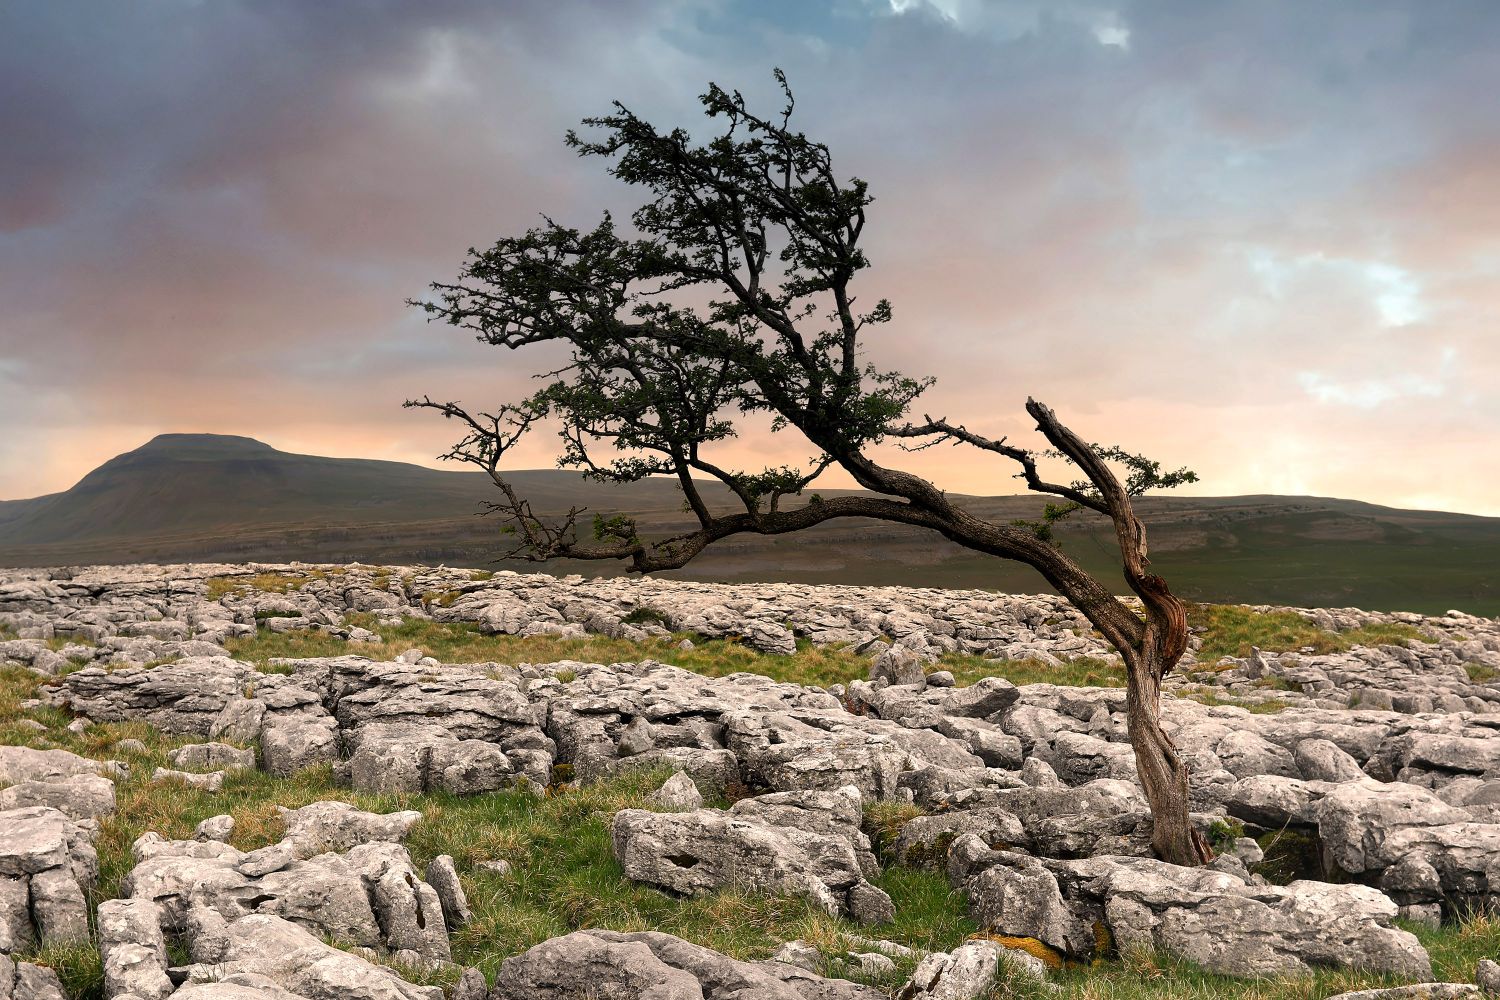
(1161, 771)
(1163, 775)
(1154, 651)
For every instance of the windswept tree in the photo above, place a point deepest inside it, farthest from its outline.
(758, 219)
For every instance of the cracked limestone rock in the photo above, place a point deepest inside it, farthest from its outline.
(133, 949)
(806, 843)
(46, 867)
(605, 965)
(369, 896)
(268, 950)
(969, 971)
(678, 793)
(1212, 918)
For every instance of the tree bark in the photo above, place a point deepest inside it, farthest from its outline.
(1162, 773)
(1147, 660)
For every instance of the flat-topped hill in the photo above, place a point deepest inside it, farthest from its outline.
(209, 497)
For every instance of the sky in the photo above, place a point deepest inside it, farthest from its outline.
(1257, 238)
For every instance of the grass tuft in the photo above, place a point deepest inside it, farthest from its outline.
(464, 642)
(268, 583)
(1232, 629)
(1481, 673)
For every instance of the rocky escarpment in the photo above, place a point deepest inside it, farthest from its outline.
(1026, 796)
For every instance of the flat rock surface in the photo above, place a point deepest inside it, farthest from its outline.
(1026, 795)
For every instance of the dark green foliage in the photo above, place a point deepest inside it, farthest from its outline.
(1222, 833)
(1290, 854)
(644, 615)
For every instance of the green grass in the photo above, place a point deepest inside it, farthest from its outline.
(1481, 673)
(1204, 696)
(268, 583)
(883, 821)
(566, 878)
(78, 967)
(463, 642)
(1232, 629)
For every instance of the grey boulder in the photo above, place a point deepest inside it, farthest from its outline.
(81, 797)
(802, 843)
(281, 954)
(338, 826)
(970, 971)
(25, 981)
(46, 867)
(133, 949)
(443, 877)
(678, 793)
(1210, 917)
(605, 965)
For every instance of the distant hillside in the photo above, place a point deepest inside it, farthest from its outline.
(214, 497)
(178, 483)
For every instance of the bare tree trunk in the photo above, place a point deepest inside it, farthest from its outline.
(1149, 653)
(1161, 771)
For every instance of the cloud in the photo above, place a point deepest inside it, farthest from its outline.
(1255, 238)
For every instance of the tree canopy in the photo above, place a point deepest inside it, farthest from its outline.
(732, 301)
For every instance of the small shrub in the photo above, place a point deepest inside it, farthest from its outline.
(644, 615)
(1290, 854)
(1222, 833)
